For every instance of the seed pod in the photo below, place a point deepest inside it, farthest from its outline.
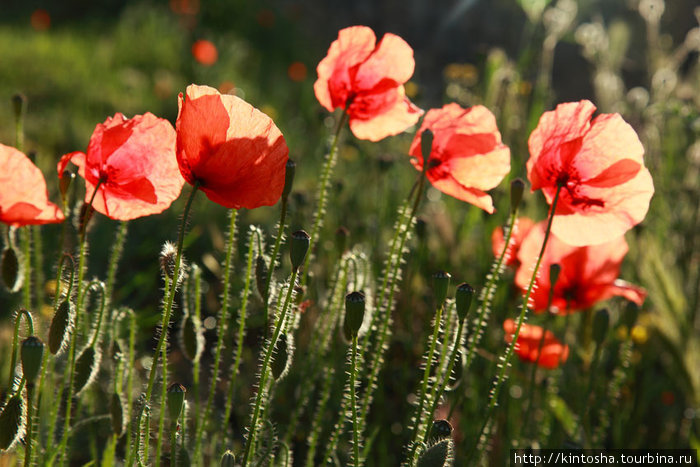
(554, 271)
(175, 400)
(59, 332)
(228, 459)
(629, 316)
(12, 274)
(517, 187)
(86, 366)
(441, 281)
(463, 299)
(32, 352)
(284, 350)
(298, 247)
(288, 178)
(191, 337)
(426, 147)
(12, 420)
(439, 454)
(261, 271)
(116, 410)
(441, 429)
(354, 313)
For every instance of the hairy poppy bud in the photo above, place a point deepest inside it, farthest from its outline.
(228, 459)
(60, 329)
(426, 147)
(176, 400)
(463, 299)
(261, 271)
(284, 348)
(298, 247)
(517, 187)
(86, 366)
(11, 422)
(601, 321)
(441, 281)
(289, 172)
(12, 275)
(554, 271)
(629, 316)
(354, 312)
(191, 337)
(438, 454)
(32, 352)
(168, 257)
(441, 429)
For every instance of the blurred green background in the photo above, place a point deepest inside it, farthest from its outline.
(79, 61)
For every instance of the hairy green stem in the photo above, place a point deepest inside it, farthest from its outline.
(15, 341)
(353, 405)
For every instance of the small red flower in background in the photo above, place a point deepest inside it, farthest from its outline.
(522, 227)
(553, 352)
(588, 274)
(234, 151)
(605, 187)
(133, 160)
(40, 20)
(205, 52)
(297, 71)
(467, 155)
(366, 79)
(24, 199)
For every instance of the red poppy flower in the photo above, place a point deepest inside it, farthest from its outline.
(233, 150)
(553, 352)
(588, 274)
(205, 52)
(605, 187)
(522, 227)
(133, 160)
(366, 79)
(467, 155)
(23, 196)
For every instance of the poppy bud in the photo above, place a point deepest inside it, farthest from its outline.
(261, 275)
(629, 316)
(11, 422)
(18, 103)
(438, 454)
(354, 312)
(168, 257)
(441, 281)
(426, 147)
(116, 412)
(12, 275)
(32, 352)
(463, 299)
(341, 239)
(176, 400)
(60, 329)
(64, 182)
(441, 429)
(517, 187)
(298, 247)
(289, 172)
(554, 271)
(284, 348)
(191, 337)
(86, 366)
(228, 459)
(601, 321)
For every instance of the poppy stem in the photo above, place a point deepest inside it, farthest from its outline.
(326, 173)
(273, 262)
(26, 235)
(505, 361)
(15, 341)
(353, 404)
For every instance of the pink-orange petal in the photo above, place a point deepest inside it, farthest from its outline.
(392, 60)
(392, 122)
(452, 187)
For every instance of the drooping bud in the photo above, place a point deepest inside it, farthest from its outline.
(554, 271)
(176, 400)
(298, 247)
(64, 182)
(32, 352)
(284, 349)
(12, 274)
(228, 459)
(441, 281)
(59, 332)
(261, 271)
(439, 454)
(11, 422)
(191, 337)
(601, 321)
(18, 102)
(426, 147)
(116, 411)
(463, 299)
(341, 239)
(354, 312)
(86, 366)
(517, 187)
(290, 170)
(441, 429)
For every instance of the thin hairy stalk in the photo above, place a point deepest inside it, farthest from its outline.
(38, 269)
(130, 382)
(265, 369)
(505, 364)
(324, 183)
(27, 270)
(29, 436)
(197, 278)
(273, 260)
(353, 405)
(114, 257)
(15, 340)
(222, 322)
(163, 388)
(242, 315)
(418, 422)
(317, 422)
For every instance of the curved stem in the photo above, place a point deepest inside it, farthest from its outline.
(15, 341)
(273, 261)
(29, 438)
(103, 301)
(266, 369)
